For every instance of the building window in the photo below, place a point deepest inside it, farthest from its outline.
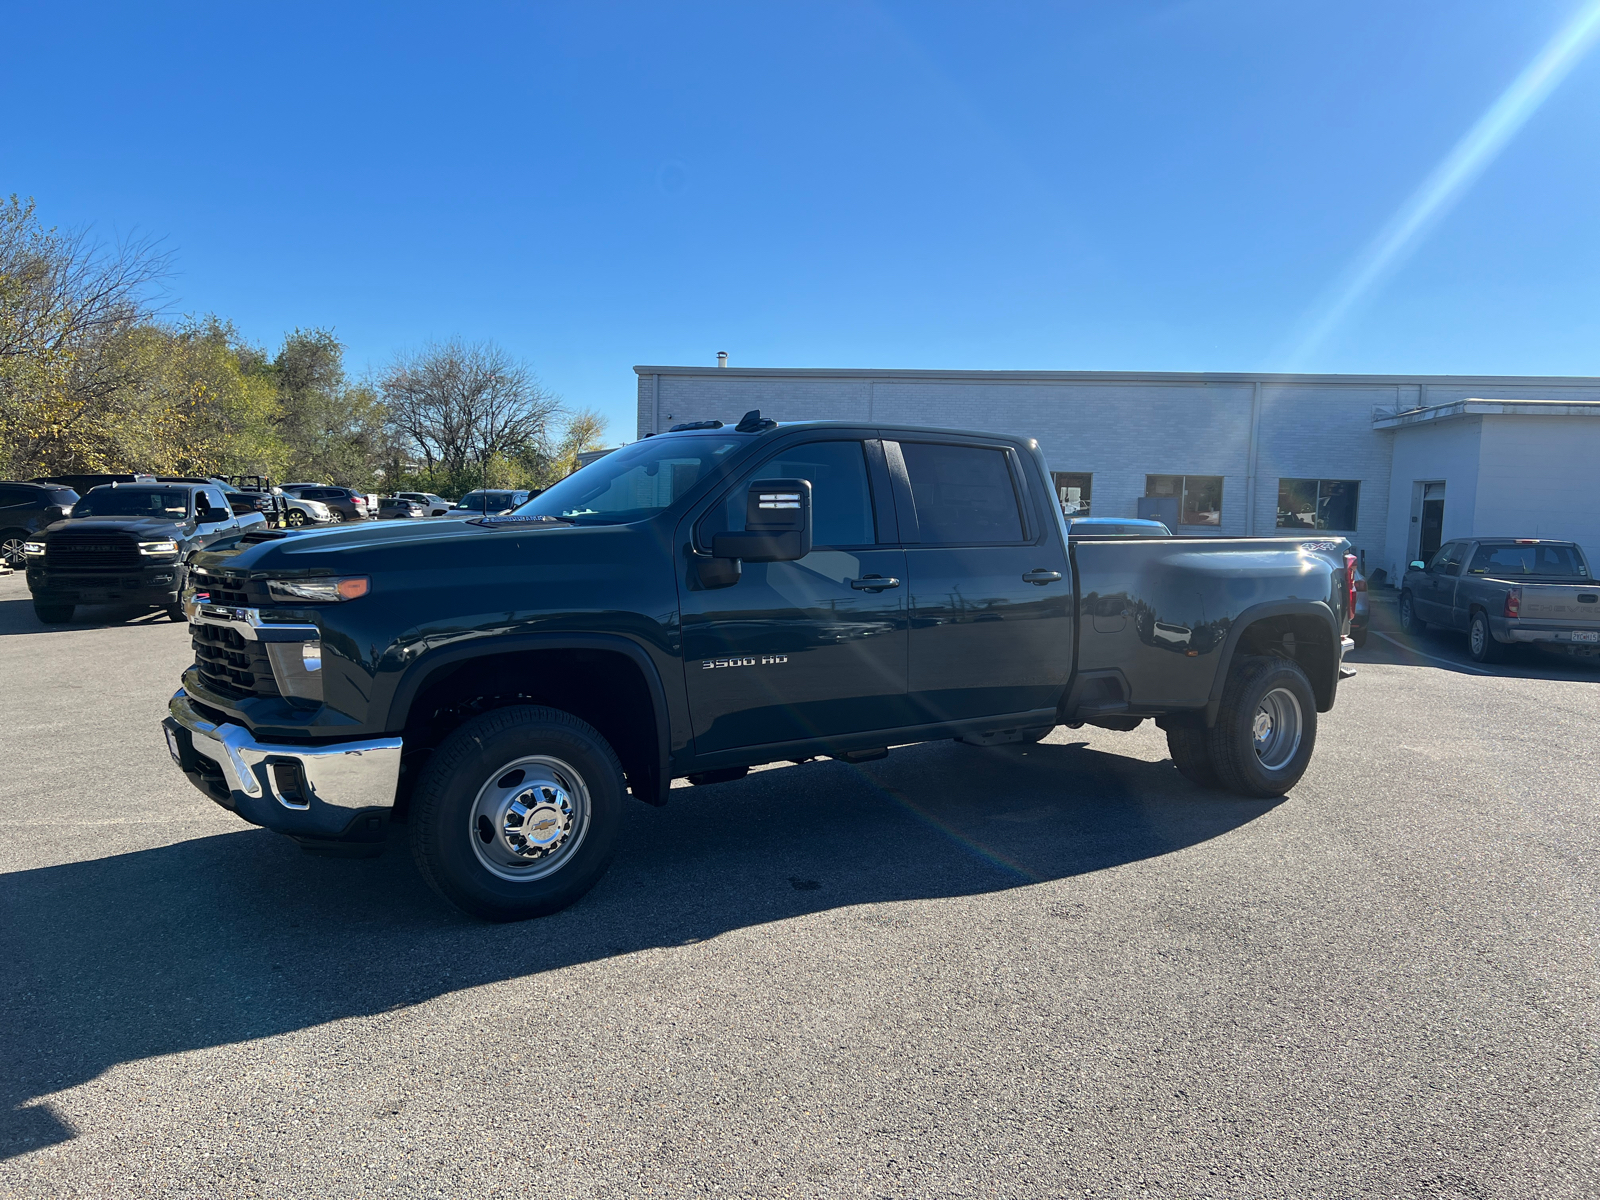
(1317, 503)
(1072, 490)
(1199, 496)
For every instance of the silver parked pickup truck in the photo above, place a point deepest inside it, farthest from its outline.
(1503, 591)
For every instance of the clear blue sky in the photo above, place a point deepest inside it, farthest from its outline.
(1168, 186)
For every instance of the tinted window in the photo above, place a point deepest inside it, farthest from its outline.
(1448, 560)
(15, 495)
(1557, 561)
(841, 500)
(963, 494)
(171, 504)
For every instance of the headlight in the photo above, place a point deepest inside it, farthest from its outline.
(33, 548)
(167, 546)
(318, 591)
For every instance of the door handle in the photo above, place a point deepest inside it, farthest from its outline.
(1040, 578)
(874, 583)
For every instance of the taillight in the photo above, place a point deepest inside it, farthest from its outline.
(1513, 606)
(1350, 583)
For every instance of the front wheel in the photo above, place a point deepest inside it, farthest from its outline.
(1409, 621)
(518, 813)
(1266, 727)
(296, 518)
(1480, 641)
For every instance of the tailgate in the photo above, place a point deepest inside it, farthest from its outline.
(1561, 603)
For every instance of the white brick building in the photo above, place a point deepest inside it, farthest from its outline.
(1308, 448)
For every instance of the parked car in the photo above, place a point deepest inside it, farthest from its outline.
(488, 502)
(701, 602)
(1079, 527)
(392, 507)
(294, 511)
(436, 506)
(1505, 592)
(125, 544)
(25, 509)
(349, 504)
(83, 484)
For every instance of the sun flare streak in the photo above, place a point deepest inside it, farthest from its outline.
(1454, 174)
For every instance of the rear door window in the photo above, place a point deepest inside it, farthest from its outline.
(964, 495)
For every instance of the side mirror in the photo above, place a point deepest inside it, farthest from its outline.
(1418, 565)
(55, 512)
(777, 523)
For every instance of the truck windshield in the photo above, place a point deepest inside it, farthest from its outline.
(169, 504)
(1555, 562)
(633, 483)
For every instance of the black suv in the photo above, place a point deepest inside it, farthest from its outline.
(349, 504)
(25, 509)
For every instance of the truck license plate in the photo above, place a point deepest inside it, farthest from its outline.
(1586, 635)
(172, 746)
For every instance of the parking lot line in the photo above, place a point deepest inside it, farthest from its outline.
(1449, 662)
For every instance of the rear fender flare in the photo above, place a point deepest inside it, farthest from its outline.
(1259, 612)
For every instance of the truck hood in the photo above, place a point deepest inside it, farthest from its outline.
(380, 545)
(148, 528)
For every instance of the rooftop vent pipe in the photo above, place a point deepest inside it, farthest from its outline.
(722, 358)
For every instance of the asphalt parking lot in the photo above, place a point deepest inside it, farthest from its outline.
(1059, 971)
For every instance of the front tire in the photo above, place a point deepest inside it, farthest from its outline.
(1480, 641)
(296, 518)
(518, 813)
(54, 614)
(1266, 727)
(1409, 621)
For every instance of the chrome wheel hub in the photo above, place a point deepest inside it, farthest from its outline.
(529, 818)
(1276, 729)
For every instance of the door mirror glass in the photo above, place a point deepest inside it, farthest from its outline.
(1418, 565)
(777, 523)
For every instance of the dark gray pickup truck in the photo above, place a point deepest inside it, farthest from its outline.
(1505, 592)
(708, 600)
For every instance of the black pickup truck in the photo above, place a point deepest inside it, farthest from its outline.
(712, 599)
(124, 543)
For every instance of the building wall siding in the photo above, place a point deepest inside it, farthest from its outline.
(1537, 477)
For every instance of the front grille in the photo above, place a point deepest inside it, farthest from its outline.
(230, 664)
(233, 590)
(93, 553)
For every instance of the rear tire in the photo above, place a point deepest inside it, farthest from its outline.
(1359, 636)
(1191, 753)
(1266, 727)
(54, 614)
(1409, 621)
(518, 813)
(1480, 641)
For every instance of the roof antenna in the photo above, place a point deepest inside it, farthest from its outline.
(754, 422)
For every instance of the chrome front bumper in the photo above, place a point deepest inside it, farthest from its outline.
(321, 790)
